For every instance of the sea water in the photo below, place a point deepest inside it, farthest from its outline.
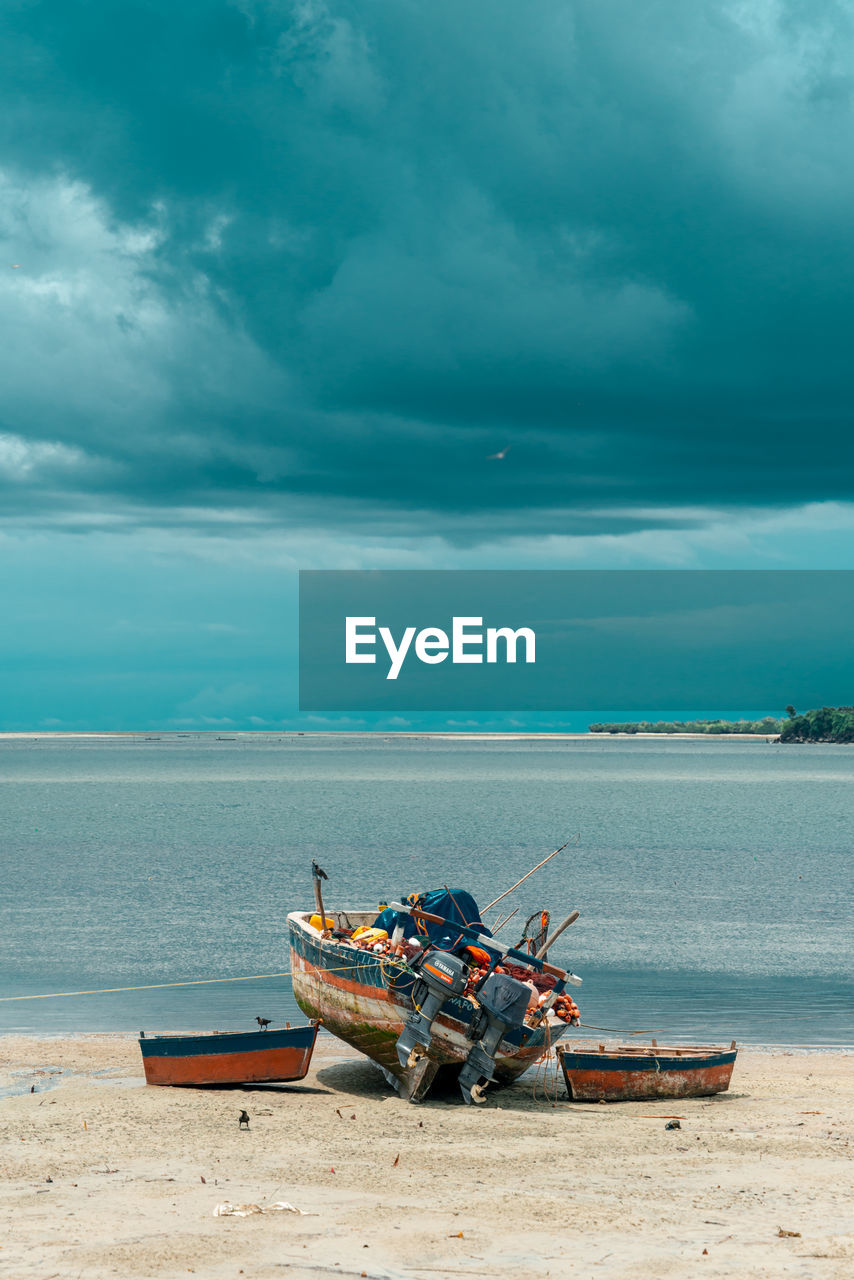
(714, 878)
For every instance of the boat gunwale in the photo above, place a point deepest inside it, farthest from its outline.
(271, 1040)
(534, 1036)
(572, 1059)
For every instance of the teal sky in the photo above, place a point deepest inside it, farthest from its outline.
(279, 278)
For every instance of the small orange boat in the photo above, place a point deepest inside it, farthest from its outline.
(633, 1073)
(243, 1057)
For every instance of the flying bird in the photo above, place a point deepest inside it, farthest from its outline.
(263, 1023)
(498, 457)
(243, 1122)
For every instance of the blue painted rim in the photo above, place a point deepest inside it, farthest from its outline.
(227, 1042)
(575, 1061)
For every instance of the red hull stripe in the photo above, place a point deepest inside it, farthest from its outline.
(271, 1066)
(343, 984)
(624, 1083)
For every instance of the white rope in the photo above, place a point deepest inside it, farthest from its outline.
(149, 986)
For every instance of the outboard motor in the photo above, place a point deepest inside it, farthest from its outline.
(503, 1004)
(441, 976)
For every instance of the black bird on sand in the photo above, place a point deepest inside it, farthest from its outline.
(243, 1122)
(263, 1023)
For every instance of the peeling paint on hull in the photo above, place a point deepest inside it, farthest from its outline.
(616, 1077)
(365, 999)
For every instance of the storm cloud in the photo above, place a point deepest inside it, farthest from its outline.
(314, 261)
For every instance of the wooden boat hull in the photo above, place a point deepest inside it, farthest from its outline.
(365, 999)
(252, 1057)
(621, 1076)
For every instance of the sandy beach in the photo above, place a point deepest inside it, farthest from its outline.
(104, 1176)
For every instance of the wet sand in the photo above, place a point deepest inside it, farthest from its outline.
(527, 1186)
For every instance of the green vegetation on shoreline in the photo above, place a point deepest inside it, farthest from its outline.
(767, 726)
(826, 724)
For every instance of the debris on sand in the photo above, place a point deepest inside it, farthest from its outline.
(228, 1210)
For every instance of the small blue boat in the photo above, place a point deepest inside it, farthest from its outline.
(243, 1057)
(633, 1073)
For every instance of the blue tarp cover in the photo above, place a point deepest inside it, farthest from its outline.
(456, 906)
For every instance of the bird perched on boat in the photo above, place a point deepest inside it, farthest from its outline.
(243, 1122)
(318, 872)
(263, 1023)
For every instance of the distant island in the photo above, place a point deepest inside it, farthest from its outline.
(826, 724)
(769, 726)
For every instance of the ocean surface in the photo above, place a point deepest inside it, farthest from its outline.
(714, 879)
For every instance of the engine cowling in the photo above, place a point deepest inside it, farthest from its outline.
(441, 976)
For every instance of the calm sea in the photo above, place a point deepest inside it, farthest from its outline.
(714, 879)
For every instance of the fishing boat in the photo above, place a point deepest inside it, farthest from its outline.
(272, 1056)
(438, 995)
(637, 1072)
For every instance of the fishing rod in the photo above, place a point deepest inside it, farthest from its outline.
(500, 923)
(531, 872)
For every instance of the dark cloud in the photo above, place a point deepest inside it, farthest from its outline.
(327, 256)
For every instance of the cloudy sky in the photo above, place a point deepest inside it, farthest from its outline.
(277, 277)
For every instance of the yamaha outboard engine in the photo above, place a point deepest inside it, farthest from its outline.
(441, 975)
(503, 1004)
